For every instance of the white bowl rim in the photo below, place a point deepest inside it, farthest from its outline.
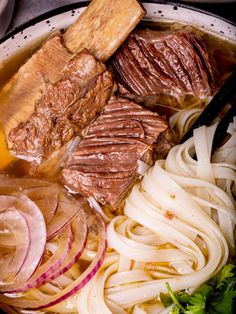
(84, 3)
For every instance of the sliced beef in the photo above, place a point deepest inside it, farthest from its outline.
(152, 64)
(65, 108)
(105, 163)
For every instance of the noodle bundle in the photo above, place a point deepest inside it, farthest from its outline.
(177, 227)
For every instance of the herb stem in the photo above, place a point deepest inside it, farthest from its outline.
(173, 297)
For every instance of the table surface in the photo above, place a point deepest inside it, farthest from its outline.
(28, 9)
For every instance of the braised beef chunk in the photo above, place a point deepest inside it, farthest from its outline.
(105, 163)
(152, 64)
(64, 109)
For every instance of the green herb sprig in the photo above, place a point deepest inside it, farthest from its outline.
(217, 296)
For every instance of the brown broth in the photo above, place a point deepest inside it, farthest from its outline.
(223, 52)
(10, 66)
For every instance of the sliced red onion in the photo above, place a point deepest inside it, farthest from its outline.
(72, 242)
(68, 208)
(80, 230)
(37, 229)
(13, 220)
(37, 235)
(57, 206)
(8, 309)
(79, 242)
(6, 237)
(45, 270)
(97, 230)
(46, 198)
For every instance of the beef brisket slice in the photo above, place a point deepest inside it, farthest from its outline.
(27, 85)
(151, 64)
(65, 108)
(106, 161)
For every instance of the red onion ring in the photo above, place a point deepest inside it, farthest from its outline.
(97, 230)
(15, 221)
(79, 241)
(37, 236)
(66, 224)
(44, 271)
(46, 198)
(57, 206)
(68, 208)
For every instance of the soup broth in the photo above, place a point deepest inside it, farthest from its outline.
(222, 51)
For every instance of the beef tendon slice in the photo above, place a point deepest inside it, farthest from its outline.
(105, 163)
(154, 65)
(64, 109)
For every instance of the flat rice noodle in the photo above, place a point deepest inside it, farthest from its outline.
(16, 223)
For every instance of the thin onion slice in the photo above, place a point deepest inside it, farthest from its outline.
(45, 270)
(37, 236)
(13, 220)
(57, 207)
(68, 208)
(96, 231)
(79, 229)
(46, 198)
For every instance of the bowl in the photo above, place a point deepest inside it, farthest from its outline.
(61, 18)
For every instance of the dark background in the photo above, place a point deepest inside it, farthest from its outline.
(27, 9)
(227, 10)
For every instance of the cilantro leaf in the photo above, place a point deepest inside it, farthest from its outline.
(197, 302)
(224, 300)
(217, 296)
(183, 297)
(205, 290)
(226, 272)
